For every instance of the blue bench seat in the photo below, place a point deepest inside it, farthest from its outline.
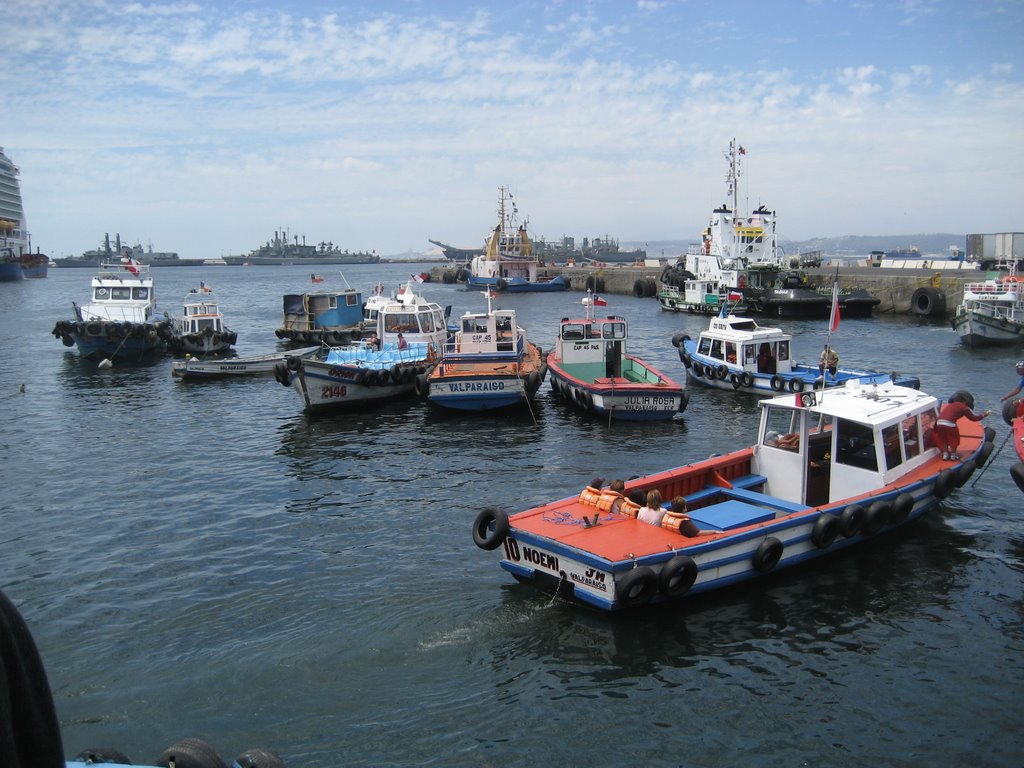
(764, 499)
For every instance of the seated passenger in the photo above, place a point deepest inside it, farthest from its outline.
(790, 442)
(612, 497)
(591, 495)
(652, 512)
(677, 520)
(630, 506)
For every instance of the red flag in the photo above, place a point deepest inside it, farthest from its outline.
(833, 318)
(130, 265)
(734, 296)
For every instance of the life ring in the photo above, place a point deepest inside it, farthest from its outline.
(964, 472)
(875, 517)
(747, 379)
(986, 451)
(677, 576)
(421, 386)
(490, 528)
(767, 554)
(825, 530)
(293, 363)
(944, 483)
(721, 371)
(698, 370)
(736, 380)
(636, 588)
(796, 385)
(850, 520)
(1017, 473)
(777, 382)
(901, 508)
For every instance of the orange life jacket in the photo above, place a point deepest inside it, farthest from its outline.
(610, 501)
(629, 508)
(590, 496)
(672, 520)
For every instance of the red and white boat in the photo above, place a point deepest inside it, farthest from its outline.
(829, 470)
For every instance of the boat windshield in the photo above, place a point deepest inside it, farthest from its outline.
(855, 445)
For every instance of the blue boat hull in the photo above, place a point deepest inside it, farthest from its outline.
(517, 284)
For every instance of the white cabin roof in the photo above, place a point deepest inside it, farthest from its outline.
(734, 328)
(869, 404)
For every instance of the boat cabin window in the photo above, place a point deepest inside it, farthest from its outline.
(121, 294)
(749, 354)
(102, 293)
(351, 299)
(432, 321)
(784, 350)
(782, 428)
(614, 330)
(855, 445)
(716, 349)
(704, 347)
(572, 332)
(766, 360)
(891, 442)
(404, 322)
(928, 419)
(730, 352)
(140, 293)
(911, 437)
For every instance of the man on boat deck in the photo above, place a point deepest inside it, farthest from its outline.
(1020, 385)
(829, 359)
(947, 433)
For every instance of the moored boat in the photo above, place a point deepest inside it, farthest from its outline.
(487, 364)
(410, 333)
(194, 368)
(992, 312)
(322, 317)
(737, 354)
(201, 329)
(590, 369)
(700, 297)
(508, 262)
(120, 319)
(828, 470)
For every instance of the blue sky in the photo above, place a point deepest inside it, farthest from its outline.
(202, 127)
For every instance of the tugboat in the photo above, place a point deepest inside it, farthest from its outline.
(120, 320)
(992, 312)
(200, 329)
(508, 262)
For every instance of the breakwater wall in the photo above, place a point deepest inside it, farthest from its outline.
(894, 287)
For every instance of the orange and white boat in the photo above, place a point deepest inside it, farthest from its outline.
(829, 470)
(488, 364)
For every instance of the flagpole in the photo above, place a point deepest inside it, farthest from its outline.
(833, 324)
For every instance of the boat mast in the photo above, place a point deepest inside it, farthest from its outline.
(732, 179)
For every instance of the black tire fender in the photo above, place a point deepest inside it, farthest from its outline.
(850, 520)
(698, 370)
(944, 483)
(191, 753)
(490, 528)
(677, 576)
(258, 758)
(636, 587)
(902, 506)
(1017, 474)
(825, 530)
(678, 339)
(778, 383)
(876, 515)
(796, 385)
(767, 554)
(282, 375)
(964, 472)
(421, 386)
(747, 379)
(293, 362)
(736, 380)
(983, 454)
(721, 371)
(1010, 410)
(96, 755)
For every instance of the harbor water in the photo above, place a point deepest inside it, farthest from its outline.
(204, 560)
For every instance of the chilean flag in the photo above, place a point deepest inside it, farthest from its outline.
(833, 318)
(131, 265)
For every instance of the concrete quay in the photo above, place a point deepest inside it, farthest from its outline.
(895, 287)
